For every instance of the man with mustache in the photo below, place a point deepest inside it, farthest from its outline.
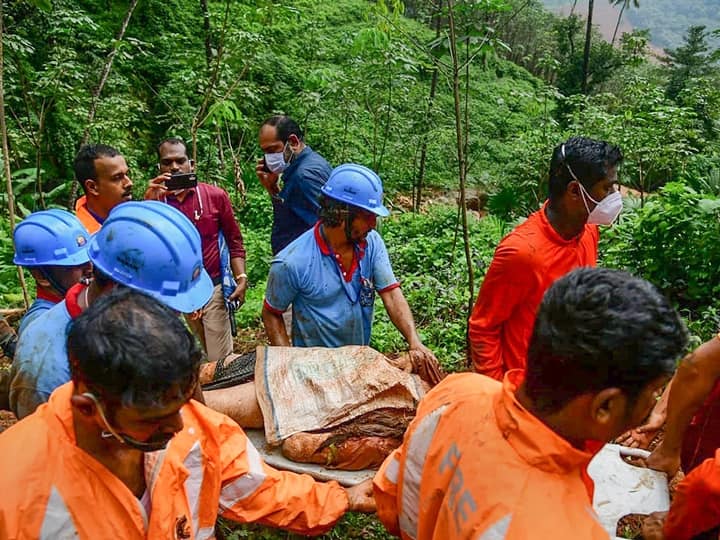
(330, 273)
(147, 246)
(103, 174)
(210, 210)
(122, 451)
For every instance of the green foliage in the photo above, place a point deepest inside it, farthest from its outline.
(672, 242)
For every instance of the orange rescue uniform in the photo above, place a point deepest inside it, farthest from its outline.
(86, 218)
(526, 262)
(53, 489)
(475, 464)
(696, 504)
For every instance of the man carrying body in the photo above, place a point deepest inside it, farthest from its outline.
(209, 208)
(488, 460)
(95, 461)
(148, 246)
(562, 235)
(304, 172)
(103, 175)
(330, 273)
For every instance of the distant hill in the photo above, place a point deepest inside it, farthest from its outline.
(668, 20)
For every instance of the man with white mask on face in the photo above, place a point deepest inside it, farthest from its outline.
(561, 236)
(304, 172)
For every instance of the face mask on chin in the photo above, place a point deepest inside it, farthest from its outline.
(606, 210)
(157, 441)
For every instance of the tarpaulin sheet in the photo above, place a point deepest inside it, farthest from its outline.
(306, 389)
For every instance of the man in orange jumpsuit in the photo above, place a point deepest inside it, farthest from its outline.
(695, 509)
(122, 451)
(103, 174)
(562, 235)
(484, 459)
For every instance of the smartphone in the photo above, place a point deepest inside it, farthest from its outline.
(265, 167)
(181, 181)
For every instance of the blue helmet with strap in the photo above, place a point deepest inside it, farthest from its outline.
(50, 238)
(357, 186)
(152, 247)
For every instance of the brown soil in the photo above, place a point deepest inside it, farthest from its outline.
(248, 339)
(7, 418)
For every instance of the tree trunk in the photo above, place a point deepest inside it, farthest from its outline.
(206, 26)
(98, 90)
(586, 54)
(617, 26)
(6, 153)
(460, 133)
(420, 179)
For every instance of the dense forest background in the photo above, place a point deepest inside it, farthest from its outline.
(456, 104)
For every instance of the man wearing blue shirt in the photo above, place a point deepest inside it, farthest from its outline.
(304, 171)
(331, 273)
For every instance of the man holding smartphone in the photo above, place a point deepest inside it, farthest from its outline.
(304, 172)
(210, 210)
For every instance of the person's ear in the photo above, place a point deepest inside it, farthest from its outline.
(192, 165)
(91, 186)
(294, 141)
(574, 189)
(609, 406)
(83, 405)
(39, 278)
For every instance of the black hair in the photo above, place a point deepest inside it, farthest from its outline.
(173, 141)
(131, 350)
(332, 213)
(589, 160)
(285, 127)
(84, 164)
(598, 328)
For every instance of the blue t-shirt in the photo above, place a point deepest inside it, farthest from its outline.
(295, 208)
(328, 310)
(38, 307)
(41, 362)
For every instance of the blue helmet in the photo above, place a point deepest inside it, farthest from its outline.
(154, 248)
(358, 186)
(50, 238)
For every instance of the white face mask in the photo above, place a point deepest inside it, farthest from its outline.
(276, 162)
(606, 211)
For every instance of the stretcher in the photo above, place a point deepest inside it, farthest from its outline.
(273, 457)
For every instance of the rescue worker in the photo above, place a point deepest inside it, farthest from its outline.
(330, 274)
(692, 417)
(484, 459)
(208, 207)
(95, 462)
(52, 244)
(103, 175)
(695, 509)
(303, 171)
(147, 246)
(562, 235)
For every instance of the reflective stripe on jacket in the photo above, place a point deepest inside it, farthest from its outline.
(474, 464)
(52, 489)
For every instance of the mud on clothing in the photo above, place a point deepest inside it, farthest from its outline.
(87, 218)
(43, 301)
(475, 464)
(526, 262)
(41, 361)
(295, 208)
(53, 489)
(332, 306)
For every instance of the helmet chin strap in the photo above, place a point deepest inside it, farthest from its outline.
(349, 216)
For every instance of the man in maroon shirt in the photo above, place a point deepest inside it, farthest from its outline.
(209, 208)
